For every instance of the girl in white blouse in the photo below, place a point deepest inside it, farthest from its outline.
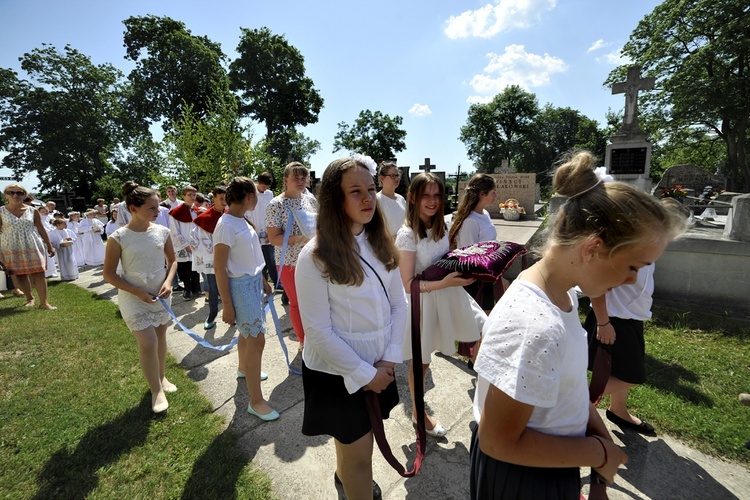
(472, 224)
(536, 424)
(353, 309)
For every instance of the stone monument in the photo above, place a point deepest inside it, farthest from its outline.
(427, 168)
(520, 187)
(628, 157)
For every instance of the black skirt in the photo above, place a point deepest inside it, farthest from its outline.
(628, 351)
(331, 410)
(494, 479)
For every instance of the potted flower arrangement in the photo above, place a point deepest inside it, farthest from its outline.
(511, 209)
(673, 192)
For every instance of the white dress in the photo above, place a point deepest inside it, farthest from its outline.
(93, 246)
(78, 244)
(447, 315)
(51, 261)
(143, 265)
(394, 211)
(63, 241)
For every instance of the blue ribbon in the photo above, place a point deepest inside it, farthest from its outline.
(200, 340)
(279, 334)
(268, 307)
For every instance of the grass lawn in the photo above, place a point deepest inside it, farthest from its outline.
(696, 366)
(76, 420)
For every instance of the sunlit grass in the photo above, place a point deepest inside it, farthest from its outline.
(76, 420)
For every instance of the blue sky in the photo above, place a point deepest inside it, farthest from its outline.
(424, 60)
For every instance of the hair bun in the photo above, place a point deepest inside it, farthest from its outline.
(576, 174)
(128, 187)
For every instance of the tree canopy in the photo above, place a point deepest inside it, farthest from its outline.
(174, 69)
(699, 53)
(554, 132)
(64, 123)
(269, 76)
(376, 135)
(495, 131)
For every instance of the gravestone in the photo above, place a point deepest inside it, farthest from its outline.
(628, 156)
(521, 187)
(689, 177)
(737, 227)
(427, 168)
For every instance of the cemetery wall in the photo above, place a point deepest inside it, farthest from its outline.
(705, 274)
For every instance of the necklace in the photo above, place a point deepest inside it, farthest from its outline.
(549, 290)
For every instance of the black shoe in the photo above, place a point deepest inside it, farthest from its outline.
(187, 295)
(376, 493)
(642, 428)
(177, 288)
(284, 299)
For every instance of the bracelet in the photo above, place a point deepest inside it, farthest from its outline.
(604, 449)
(603, 324)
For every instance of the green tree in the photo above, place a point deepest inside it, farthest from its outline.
(555, 131)
(497, 130)
(205, 151)
(699, 52)
(64, 123)
(292, 146)
(373, 134)
(174, 69)
(269, 75)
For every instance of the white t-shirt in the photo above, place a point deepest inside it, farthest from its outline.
(393, 210)
(174, 203)
(123, 214)
(245, 255)
(163, 218)
(349, 328)
(258, 216)
(536, 354)
(475, 228)
(633, 301)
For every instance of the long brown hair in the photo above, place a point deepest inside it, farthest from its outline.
(416, 190)
(335, 244)
(478, 184)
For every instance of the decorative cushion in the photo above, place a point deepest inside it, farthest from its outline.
(484, 261)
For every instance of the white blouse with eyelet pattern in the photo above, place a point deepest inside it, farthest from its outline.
(537, 354)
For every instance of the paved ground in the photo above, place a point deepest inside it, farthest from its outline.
(302, 467)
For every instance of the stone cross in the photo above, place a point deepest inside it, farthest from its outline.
(427, 167)
(630, 88)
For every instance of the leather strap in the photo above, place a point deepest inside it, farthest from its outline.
(599, 377)
(373, 404)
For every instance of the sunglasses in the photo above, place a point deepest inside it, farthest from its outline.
(395, 177)
(16, 193)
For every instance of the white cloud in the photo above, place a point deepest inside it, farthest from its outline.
(615, 58)
(490, 20)
(420, 110)
(515, 67)
(598, 45)
(479, 99)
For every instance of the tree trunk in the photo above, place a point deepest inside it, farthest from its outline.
(735, 139)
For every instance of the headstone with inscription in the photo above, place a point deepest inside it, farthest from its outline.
(521, 187)
(690, 177)
(628, 156)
